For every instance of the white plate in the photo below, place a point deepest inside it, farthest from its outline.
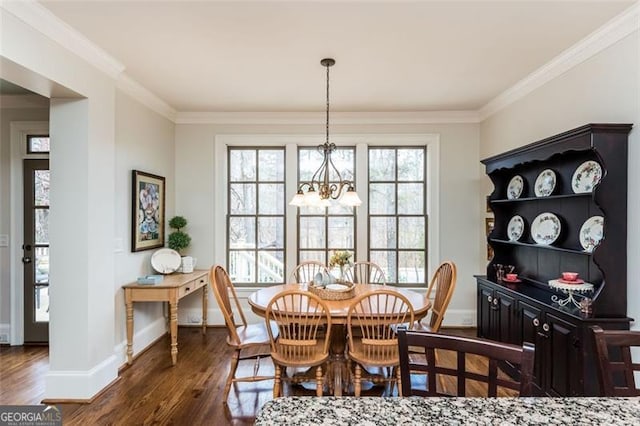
(545, 183)
(591, 232)
(338, 287)
(545, 228)
(515, 228)
(514, 190)
(586, 176)
(166, 261)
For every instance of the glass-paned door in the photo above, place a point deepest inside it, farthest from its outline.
(35, 255)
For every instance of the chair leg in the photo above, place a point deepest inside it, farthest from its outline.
(276, 382)
(358, 377)
(319, 380)
(232, 374)
(398, 381)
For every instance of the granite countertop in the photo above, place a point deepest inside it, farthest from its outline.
(371, 411)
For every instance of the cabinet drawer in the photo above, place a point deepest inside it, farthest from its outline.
(192, 286)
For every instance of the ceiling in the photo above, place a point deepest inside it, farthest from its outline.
(264, 56)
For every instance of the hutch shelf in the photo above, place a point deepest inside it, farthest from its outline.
(529, 310)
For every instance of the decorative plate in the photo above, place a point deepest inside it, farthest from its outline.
(591, 232)
(545, 228)
(166, 260)
(516, 184)
(545, 183)
(515, 228)
(586, 176)
(517, 280)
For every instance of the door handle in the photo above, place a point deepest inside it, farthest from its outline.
(26, 259)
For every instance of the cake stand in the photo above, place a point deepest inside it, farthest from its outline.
(569, 289)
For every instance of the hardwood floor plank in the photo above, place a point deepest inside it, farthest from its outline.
(152, 391)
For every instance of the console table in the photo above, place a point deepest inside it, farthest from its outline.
(173, 288)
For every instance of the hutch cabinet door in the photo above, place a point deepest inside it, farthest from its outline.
(484, 305)
(563, 348)
(505, 318)
(530, 326)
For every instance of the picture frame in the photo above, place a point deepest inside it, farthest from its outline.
(489, 223)
(147, 216)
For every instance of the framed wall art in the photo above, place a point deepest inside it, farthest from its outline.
(488, 225)
(147, 220)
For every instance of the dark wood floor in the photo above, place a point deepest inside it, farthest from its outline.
(152, 391)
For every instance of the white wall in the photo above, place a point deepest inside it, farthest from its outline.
(460, 219)
(605, 88)
(90, 179)
(145, 142)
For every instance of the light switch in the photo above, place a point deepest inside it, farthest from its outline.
(118, 245)
(4, 240)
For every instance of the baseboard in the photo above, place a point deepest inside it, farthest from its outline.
(5, 334)
(80, 385)
(459, 318)
(141, 340)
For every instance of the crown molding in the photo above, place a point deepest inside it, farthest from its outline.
(613, 31)
(146, 97)
(393, 117)
(23, 101)
(41, 19)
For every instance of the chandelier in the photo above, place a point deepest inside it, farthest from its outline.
(319, 191)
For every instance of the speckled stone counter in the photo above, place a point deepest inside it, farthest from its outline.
(371, 411)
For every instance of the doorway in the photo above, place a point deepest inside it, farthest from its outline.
(35, 250)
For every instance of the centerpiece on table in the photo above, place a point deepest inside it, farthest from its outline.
(341, 259)
(329, 288)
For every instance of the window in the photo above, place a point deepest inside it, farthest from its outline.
(256, 215)
(397, 213)
(396, 227)
(38, 144)
(325, 229)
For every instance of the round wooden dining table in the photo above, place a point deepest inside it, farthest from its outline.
(337, 367)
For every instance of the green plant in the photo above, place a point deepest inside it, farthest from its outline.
(178, 239)
(340, 258)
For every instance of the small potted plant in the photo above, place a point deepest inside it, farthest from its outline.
(341, 259)
(180, 240)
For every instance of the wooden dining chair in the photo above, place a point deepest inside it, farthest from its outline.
(250, 341)
(366, 273)
(305, 271)
(439, 291)
(304, 326)
(371, 323)
(486, 350)
(616, 369)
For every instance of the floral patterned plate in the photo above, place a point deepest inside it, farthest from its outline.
(545, 228)
(591, 232)
(586, 176)
(515, 228)
(545, 183)
(514, 190)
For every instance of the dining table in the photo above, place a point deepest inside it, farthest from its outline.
(338, 309)
(370, 411)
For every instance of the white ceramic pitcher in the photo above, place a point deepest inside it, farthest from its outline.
(188, 264)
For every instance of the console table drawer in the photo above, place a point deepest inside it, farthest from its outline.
(192, 286)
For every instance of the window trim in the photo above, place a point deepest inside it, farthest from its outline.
(361, 141)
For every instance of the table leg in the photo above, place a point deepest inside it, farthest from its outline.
(337, 363)
(204, 309)
(173, 329)
(129, 305)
